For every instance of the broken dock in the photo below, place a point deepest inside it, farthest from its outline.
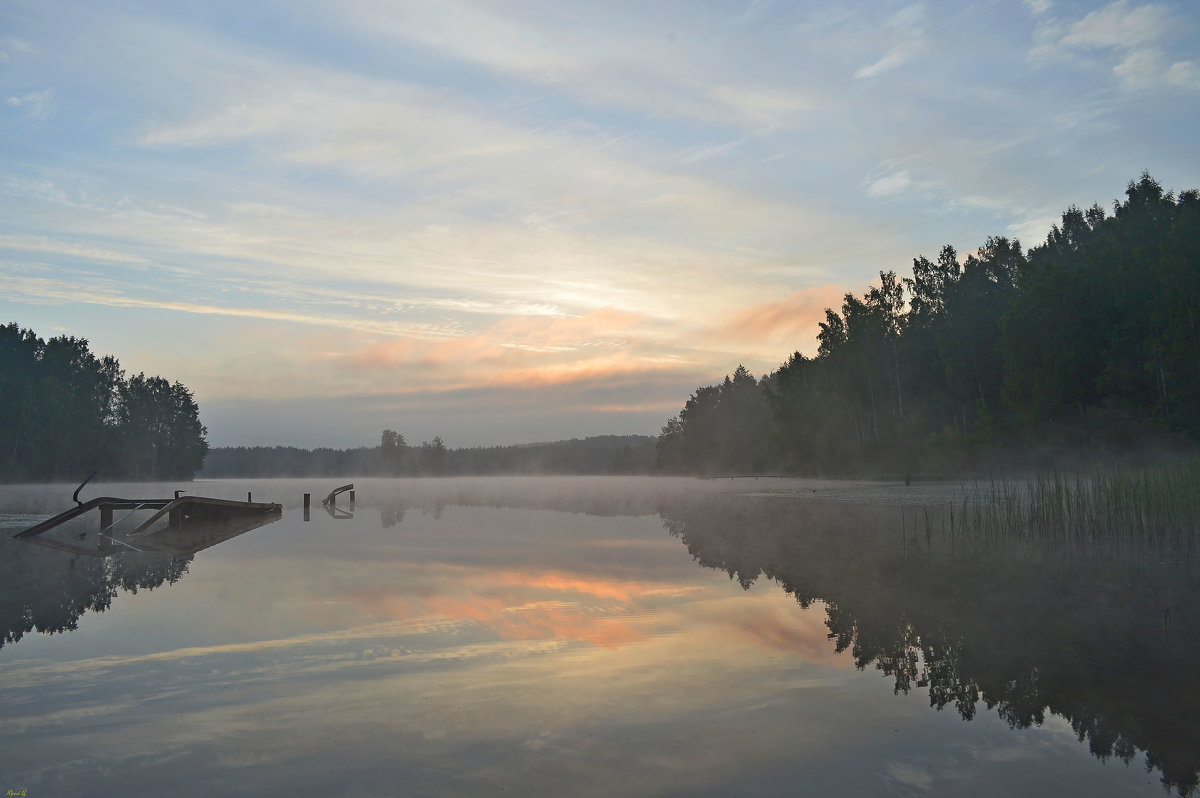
(177, 511)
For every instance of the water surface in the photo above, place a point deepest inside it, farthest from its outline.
(588, 637)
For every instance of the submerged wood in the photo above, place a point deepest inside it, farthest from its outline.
(331, 499)
(177, 510)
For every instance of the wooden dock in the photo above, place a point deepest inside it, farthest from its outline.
(177, 511)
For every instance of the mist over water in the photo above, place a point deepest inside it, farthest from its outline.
(588, 636)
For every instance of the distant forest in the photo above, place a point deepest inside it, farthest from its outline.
(1090, 340)
(65, 412)
(606, 454)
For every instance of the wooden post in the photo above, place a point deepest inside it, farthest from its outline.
(352, 497)
(105, 516)
(307, 499)
(247, 497)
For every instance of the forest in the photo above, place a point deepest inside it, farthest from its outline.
(1089, 342)
(394, 457)
(67, 412)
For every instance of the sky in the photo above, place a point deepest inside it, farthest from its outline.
(506, 222)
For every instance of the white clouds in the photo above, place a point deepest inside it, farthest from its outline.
(753, 11)
(703, 152)
(1185, 74)
(1120, 26)
(1136, 34)
(1039, 7)
(594, 55)
(13, 45)
(1032, 232)
(905, 25)
(1148, 69)
(467, 175)
(889, 185)
(890, 60)
(36, 104)
(40, 244)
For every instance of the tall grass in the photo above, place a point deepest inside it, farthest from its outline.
(1146, 508)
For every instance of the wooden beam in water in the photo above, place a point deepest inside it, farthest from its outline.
(188, 506)
(331, 499)
(178, 510)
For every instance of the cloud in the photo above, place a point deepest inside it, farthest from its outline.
(775, 328)
(890, 60)
(534, 604)
(889, 185)
(655, 69)
(788, 630)
(904, 25)
(40, 244)
(1147, 69)
(752, 12)
(53, 290)
(1135, 34)
(1032, 232)
(1039, 7)
(704, 152)
(1120, 26)
(36, 104)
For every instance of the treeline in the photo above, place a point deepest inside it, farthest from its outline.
(608, 454)
(65, 412)
(1091, 339)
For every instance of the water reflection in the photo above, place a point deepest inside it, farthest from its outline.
(48, 582)
(549, 638)
(1109, 645)
(47, 590)
(391, 515)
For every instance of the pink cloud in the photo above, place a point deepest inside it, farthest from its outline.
(786, 324)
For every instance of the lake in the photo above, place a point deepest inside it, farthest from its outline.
(576, 636)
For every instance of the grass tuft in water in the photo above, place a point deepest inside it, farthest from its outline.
(1133, 509)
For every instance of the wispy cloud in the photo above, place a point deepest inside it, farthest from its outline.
(1119, 25)
(1135, 34)
(890, 184)
(657, 70)
(780, 325)
(1039, 7)
(905, 28)
(37, 104)
(83, 251)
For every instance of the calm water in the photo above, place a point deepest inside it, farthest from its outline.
(584, 637)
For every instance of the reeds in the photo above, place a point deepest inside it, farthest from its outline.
(1146, 508)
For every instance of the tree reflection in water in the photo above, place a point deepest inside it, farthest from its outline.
(48, 591)
(1108, 643)
(47, 583)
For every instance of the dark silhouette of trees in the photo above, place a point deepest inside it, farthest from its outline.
(65, 412)
(433, 457)
(46, 591)
(603, 454)
(1091, 338)
(1054, 631)
(725, 428)
(393, 451)
(159, 429)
